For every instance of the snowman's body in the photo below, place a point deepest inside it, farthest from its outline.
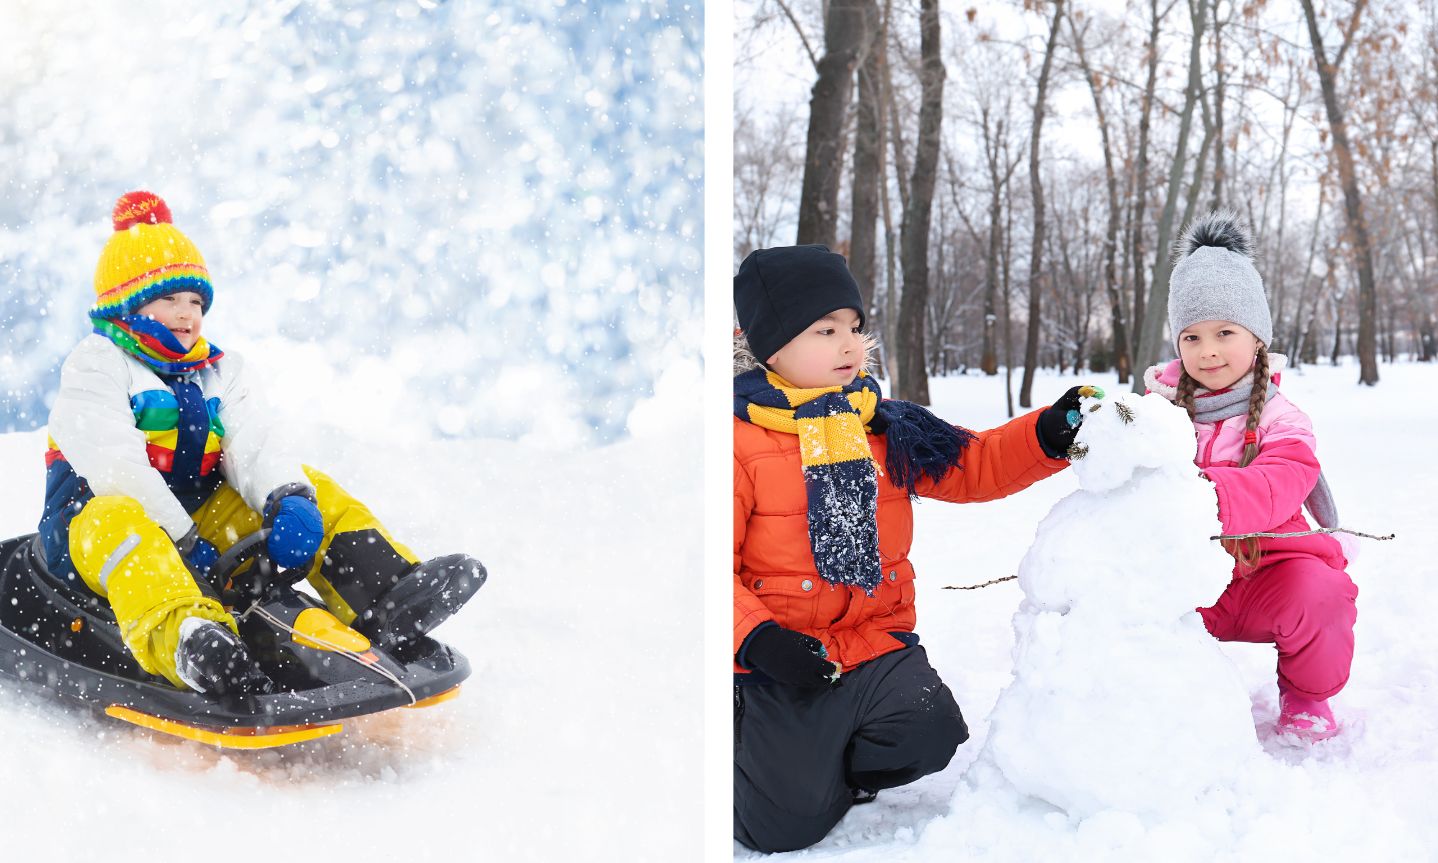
(1120, 698)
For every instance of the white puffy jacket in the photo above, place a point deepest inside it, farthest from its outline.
(93, 425)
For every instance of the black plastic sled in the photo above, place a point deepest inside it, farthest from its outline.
(65, 639)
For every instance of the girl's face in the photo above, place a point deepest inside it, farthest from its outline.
(181, 313)
(1217, 353)
(828, 353)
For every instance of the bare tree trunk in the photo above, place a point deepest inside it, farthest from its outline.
(1337, 333)
(1151, 336)
(1036, 254)
(1429, 345)
(891, 289)
(1279, 279)
(1352, 200)
(1081, 315)
(1008, 306)
(891, 239)
(1300, 328)
(942, 291)
(1110, 243)
(989, 362)
(1140, 191)
(1200, 165)
(1217, 127)
(998, 179)
(914, 234)
(845, 36)
(868, 164)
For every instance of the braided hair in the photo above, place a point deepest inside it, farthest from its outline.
(1245, 550)
(1186, 386)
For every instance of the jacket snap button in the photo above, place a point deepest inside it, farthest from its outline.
(807, 585)
(759, 584)
(893, 575)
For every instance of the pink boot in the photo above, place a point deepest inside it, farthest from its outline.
(1303, 718)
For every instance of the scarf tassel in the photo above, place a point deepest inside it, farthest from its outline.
(920, 444)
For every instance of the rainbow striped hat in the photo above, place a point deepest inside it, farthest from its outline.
(146, 258)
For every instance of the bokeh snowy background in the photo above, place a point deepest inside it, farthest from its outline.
(483, 218)
(462, 244)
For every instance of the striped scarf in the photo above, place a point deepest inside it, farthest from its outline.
(151, 342)
(840, 473)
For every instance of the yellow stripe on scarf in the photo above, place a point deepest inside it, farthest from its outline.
(831, 440)
(822, 440)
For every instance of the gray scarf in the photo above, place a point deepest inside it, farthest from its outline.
(1216, 407)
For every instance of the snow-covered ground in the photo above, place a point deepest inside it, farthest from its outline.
(579, 729)
(1368, 794)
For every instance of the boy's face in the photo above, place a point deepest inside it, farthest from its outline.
(181, 313)
(828, 353)
(1217, 353)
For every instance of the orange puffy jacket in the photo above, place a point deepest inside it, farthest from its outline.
(774, 574)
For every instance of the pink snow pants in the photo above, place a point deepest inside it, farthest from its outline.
(1302, 605)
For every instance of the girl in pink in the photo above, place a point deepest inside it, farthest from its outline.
(1258, 450)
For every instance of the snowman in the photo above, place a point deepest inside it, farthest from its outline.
(1120, 698)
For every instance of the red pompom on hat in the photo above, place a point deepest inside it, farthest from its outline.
(140, 208)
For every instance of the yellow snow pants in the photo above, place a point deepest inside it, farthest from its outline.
(124, 556)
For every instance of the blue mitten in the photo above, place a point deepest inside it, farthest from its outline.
(296, 528)
(199, 554)
(203, 556)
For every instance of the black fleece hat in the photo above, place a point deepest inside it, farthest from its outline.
(780, 291)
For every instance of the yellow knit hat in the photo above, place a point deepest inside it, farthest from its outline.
(146, 258)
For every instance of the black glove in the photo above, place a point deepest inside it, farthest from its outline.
(1058, 424)
(789, 657)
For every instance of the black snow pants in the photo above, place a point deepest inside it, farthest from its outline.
(799, 754)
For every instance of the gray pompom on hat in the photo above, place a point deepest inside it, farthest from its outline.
(1214, 278)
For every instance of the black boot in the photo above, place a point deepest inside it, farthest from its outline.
(422, 598)
(212, 659)
(395, 600)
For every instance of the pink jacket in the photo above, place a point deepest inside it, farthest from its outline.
(1268, 494)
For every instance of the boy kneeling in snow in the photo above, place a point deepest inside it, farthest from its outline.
(159, 461)
(824, 474)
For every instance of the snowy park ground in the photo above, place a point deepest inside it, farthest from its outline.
(583, 710)
(1367, 794)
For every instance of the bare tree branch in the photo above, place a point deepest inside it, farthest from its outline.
(788, 13)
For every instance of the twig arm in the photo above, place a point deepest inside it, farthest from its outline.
(1302, 533)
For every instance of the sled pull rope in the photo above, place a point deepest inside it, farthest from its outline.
(342, 651)
(1304, 533)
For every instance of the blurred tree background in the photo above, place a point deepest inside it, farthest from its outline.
(1077, 138)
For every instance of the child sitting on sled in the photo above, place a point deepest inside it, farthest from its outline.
(160, 459)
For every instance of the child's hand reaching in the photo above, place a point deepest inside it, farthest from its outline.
(296, 528)
(790, 657)
(1058, 424)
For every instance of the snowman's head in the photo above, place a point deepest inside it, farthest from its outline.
(1123, 434)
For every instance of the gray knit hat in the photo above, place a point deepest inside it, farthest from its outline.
(1214, 278)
